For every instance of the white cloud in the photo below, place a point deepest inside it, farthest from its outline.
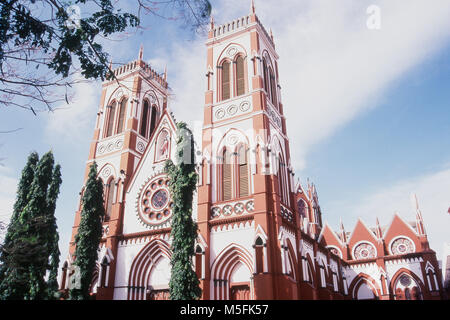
(332, 67)
(74, 122)
(433, 192)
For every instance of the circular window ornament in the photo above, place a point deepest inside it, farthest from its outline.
(335, 251)
(405, 281)
(159, 199)
(154, 204)
(402, 246)
(364, 250)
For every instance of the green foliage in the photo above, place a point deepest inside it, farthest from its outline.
(52, 283)
(65, 38)
(11, 286)
(23, 27)
(32, 232)
(184, 284)
(89, 234)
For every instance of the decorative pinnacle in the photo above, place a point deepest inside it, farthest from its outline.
(414, 201)
(252, 7)
(211, 22)
(141, 52)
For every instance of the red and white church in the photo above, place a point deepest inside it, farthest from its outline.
(261, 235)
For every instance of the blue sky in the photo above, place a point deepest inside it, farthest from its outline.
(368, 112)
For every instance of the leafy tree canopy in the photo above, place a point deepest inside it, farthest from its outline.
(65, 37)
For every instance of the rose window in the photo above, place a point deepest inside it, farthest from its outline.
(405, 281)
(402, 246)
(364, 251)
(155, 205)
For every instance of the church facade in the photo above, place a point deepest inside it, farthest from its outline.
(261, 235)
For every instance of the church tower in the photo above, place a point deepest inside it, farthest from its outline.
(130, 108)
(246, 199)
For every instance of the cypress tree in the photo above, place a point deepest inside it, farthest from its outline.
(53, 237)
(184, 284)
(35, 221)
(32, 232)
(89, 234)
(11, 286)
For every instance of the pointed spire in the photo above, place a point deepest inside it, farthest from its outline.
(252, 7)
(342, 232)
(414, 201)
(419, 220)
(378, 231)
(110, 64)
(271, 34)
(211, 22)
(141, 52)
(165, 73)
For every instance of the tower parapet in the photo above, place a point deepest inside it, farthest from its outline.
(144, 67)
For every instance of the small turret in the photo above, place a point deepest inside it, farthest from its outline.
(419, 220)
(378, 231)
(342, 233)
(141, 53)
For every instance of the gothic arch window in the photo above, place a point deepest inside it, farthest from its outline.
(282, 183)
(273, 88)
(227, 176)
(109, 198)
(144, 119)
(265, 75)
(122, 115)
(323, 279)
(199, 256)
(240, 76)
(110, 119)
(259, 252)
(290, 264)
(365, 291)
(307, 271)
(406, 288)
(104, 272)
(302, 208)
(153, 119)
(243, 171)
(225, 80)
(335, 282)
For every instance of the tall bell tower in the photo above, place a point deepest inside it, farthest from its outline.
(130, 108)
(246, 203)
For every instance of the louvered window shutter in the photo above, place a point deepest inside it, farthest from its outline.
(123, 107)
(144, 119)
(112, 112)
(265, 76)
(110, 199)
(243, 173)
(240, 80)
(273, 89)
(226, 80)
(153, 121)
(227, 176)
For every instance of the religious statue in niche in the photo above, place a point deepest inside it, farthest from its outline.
(162, 147)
